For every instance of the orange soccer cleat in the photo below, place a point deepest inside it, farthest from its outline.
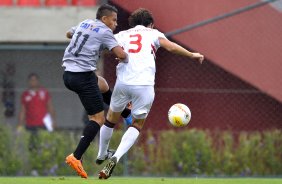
(76, 165)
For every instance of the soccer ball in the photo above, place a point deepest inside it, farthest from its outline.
(179, 115)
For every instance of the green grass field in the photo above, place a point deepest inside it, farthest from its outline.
(124, 180)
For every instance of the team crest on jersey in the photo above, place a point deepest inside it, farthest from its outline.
(32, 93)
(42, 95)
(27, 98)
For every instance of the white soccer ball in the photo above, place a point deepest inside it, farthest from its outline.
(179, 115)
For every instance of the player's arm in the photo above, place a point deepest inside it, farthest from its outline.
(112, 44)
(177, 49)
(119, 52)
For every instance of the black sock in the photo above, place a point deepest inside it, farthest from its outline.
(107, 97)
(109, 124)
(125, 113)
(89, 133)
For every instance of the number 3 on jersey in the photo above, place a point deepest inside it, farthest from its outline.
(135, 40)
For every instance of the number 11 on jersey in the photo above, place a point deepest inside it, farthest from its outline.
(85, 38)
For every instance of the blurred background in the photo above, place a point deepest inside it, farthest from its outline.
(235, 96)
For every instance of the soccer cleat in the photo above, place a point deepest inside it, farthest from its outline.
(106, 172)
(128, 120)
(110, 153)
(76, 165)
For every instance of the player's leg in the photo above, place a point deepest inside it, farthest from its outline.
(103, 86)
(127, 141)
(142, 99)
(118, 102)
(106, 133)
(107, 94)
(86, 86)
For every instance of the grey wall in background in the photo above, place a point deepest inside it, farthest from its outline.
(40, 24)
(48, 65)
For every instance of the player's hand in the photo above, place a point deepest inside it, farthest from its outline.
(199, 57)
(19, 129)
(122, 61)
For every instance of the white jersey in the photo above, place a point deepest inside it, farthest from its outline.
(141, 44)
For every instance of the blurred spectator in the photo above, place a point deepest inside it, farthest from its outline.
(36, 110)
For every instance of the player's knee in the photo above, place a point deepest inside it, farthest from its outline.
(109, 118)
(113, 117)
(112, 120)
(103, 85)
(99, 118)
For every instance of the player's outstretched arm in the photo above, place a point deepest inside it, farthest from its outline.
(177, 49)
(119, 52)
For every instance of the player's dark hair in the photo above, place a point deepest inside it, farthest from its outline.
(141, 16)
(105, 10)
(33, 75)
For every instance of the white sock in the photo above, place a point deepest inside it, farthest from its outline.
(105, 137)
(127, 141)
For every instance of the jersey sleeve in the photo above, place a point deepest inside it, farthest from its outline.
(109, 40)
(157, 35)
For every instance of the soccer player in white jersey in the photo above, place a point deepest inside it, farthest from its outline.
(79, 61)
(135, 82)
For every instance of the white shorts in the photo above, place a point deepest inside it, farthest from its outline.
(142, 98)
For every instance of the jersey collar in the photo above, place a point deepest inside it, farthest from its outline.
(140, 26)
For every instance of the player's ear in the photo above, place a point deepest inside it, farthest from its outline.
(151, 25)
(104, 19)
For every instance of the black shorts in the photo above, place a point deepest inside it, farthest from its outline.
(85, 85)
